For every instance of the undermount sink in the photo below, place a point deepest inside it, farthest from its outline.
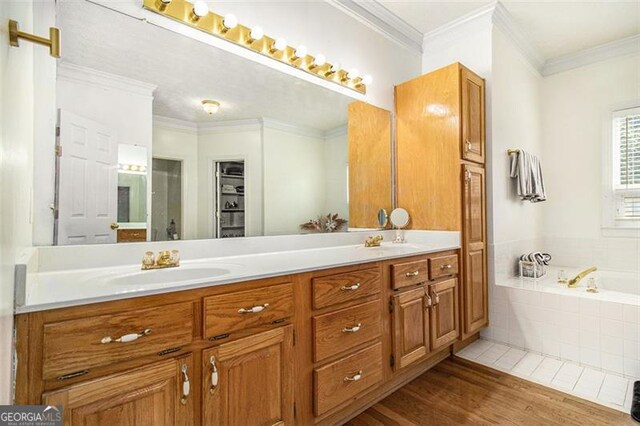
(168, 275)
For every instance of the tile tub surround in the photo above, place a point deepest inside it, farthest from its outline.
(75, 275)
(571, 377)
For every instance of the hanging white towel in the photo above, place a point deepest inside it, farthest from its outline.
(527, 171)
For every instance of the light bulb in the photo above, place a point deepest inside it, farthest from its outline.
(256, 33)
(279, 44)
(367, 80)
(334, 69)
(353, 73)
(319, 60)
(200, 9)
(300, 52)
(230, 21)
(210, 107)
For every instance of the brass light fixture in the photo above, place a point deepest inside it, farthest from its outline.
(198, 16)
(53, 42)
(210, 107)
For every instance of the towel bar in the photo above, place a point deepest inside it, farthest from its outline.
(513, 151)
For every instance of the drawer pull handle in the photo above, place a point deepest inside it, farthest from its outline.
(354, 378)
(427, 303)
(127, 337)
(446, 267)
(186, 386)
(353, 287)
(353, 328)
(214, 375)
(437, 297)
(469, 145)
(412, 274)
(253, 310)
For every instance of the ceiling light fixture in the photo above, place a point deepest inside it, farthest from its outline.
(229, 22)
(210, 107)
(255, 34)
(199, 10)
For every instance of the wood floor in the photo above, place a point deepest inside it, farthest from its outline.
(460, 392)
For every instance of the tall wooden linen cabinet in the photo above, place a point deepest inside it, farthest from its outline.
(440, 173)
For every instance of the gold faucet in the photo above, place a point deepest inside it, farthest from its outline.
(373, 241)
(165, 259)
(573, 282)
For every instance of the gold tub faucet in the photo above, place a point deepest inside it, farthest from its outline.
(573, 282)
(165, 259)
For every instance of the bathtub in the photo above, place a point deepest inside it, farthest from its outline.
(613, 286)
(600, 330)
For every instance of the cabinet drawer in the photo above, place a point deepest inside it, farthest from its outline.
(341, 330)
(408, 273)
(443, 266)
(345, 287)
(240, 310)
(81, 344)
(342, 381)
(130, 235)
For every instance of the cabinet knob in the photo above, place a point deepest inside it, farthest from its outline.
(354, 378)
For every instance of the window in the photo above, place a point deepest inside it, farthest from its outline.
(626, 164)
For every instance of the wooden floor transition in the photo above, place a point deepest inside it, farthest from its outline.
(460, 392)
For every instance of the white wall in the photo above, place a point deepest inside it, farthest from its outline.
(16, 169)
(294, 180)
(576, 106)
(231, 144)
(175, 144)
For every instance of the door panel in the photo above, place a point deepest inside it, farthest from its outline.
(475, 290)
(410, 326)
(473, 140)
(444, 313)
(148, 395)
(254, 380)
(88, 182)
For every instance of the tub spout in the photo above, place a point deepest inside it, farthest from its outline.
(573, 282)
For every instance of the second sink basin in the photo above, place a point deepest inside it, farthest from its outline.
(168, 275)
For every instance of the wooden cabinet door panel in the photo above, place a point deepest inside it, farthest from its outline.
(473, 139)
(254, 380)
(444, 313)
(410, 326)
(144, 396)
(474, 251)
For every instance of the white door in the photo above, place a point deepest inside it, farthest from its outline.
(88, 182)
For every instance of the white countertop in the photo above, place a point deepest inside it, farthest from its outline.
(50, 288)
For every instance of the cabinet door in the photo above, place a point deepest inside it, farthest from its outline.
(410, 326)
(474, 251)
(250, 381)
(473, 145)
(144, 396)
(444, 313)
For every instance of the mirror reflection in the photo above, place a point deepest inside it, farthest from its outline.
(168, 138)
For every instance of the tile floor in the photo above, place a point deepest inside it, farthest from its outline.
(589, 383)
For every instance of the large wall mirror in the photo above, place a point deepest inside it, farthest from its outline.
(165, 138)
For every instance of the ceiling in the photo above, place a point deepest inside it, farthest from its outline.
(187, 71)
(555, 28)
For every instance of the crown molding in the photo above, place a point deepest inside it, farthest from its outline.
(614, 49)
(174, 124)
(503, 20)
(382, 20)
(243, 125)
(292, 128)
(84, 75)
(458, 26)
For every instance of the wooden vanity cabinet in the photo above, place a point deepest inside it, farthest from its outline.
(153, 395)
(440, 177)
(250, 381)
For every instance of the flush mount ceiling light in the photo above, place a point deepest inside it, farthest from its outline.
(196, 14)
(210, 107)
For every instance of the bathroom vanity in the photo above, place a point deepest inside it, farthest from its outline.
(312, 347)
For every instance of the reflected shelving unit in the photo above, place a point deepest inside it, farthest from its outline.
(229, 217)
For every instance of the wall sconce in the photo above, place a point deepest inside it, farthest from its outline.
(300, 52)
(255, 34)
(318, 61)
(53, 42)
(210, 107)
(333, 69)
(278, 45)
(229, 22)
(200, 9)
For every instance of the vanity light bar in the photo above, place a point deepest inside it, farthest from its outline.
(197, 15)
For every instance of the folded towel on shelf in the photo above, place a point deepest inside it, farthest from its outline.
(526, 168)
